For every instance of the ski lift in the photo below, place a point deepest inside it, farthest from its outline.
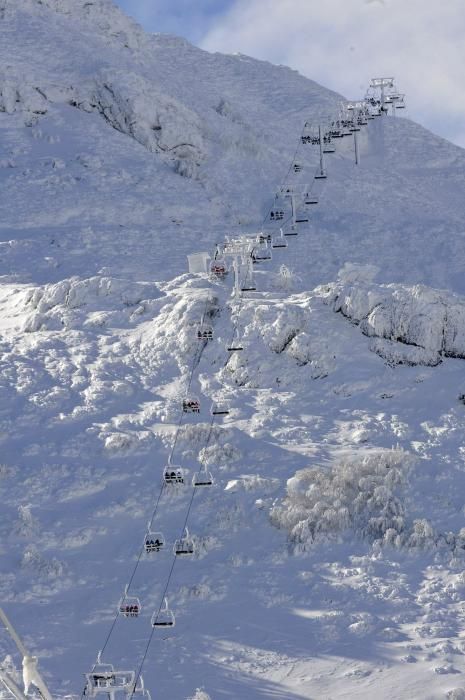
(184, 546)
(279, 241)
(219, 409)
(276, 215)
(173, 475)
(218, 268)
(397, 99)
(140, 689)
(298, 167)
(164, 617)
(154, 542)
(204, 332)
(202, 478)
(191, 404)
(129, 605)
(291, 232)
(311, 199)
(261, 253)
(103, 679)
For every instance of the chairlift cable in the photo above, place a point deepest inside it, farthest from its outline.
(196, 360)
(299, 143)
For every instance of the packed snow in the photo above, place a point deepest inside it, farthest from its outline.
(329, 553)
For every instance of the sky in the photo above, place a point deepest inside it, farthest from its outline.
(341, 44)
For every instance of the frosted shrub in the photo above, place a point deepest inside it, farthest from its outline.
(286, 278)
(361, 494)
(456, 694)
(34, 563)
(199, 695)
(26, 525)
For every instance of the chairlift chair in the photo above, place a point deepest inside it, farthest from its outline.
(173, 475)
(129, 605)
(279, 241)
(164, 617)
(218, 268)
(235, 346)
(141, 690)
(154, 542)
(103, 679)
(191, 404)
(219, 409)
(311, 199)
(291, 232)
(302, 220)
(204, 332)
(261, 253)
(321, 175)
(202, 478)
(184, 546)
(329, 148)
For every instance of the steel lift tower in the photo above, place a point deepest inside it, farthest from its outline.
(31, 675)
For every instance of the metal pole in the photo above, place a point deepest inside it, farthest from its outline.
(294, 223)
(322, 161)
(236, 277)
(357, 159)
(13, 633)
(250, 269)
(31, 673)
(11, 686)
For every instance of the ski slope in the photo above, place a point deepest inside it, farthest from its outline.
(329, 552)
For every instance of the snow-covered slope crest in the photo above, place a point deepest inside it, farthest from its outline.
(101, 15)
(429, 322)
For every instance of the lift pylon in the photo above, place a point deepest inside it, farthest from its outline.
(31, 675)
(381, 84)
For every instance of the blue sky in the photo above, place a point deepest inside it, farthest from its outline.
(192, 19)
(341, 44)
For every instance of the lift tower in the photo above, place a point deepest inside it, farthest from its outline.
(31, 675)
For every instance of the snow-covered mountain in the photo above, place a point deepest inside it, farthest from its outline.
(329, 552)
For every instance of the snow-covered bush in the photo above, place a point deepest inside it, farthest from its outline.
(456, 694)
(361, 494)
(34, 563)
(286, 278)
(26, 525)
(199, 695)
